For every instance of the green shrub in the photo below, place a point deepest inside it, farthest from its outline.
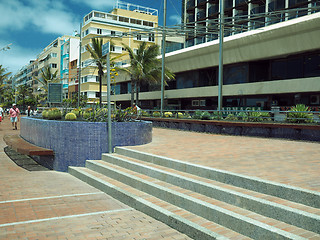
(87, 114)
(45, 114)
(145, 114)
(217, 115)
(299, 114)
(76, 112)
(254, 117)
(70, 117)
(205, 116)
(156, 114)
(231, 117)
(197, 115)
(242, 116)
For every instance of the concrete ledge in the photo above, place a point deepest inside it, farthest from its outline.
(295, 194)
(20, 145)
(187, 227)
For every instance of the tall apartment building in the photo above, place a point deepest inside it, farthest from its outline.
(69, 65)
(125, 18)
(270, 59)
(61, 55)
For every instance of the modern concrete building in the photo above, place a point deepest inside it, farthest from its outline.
(273, 60)
(124, 19)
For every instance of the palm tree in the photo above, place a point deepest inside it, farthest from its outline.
(96, 54)
(24, 92)
(3, 76)
(46, 77)
(145, 67)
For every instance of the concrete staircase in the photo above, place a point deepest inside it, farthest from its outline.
(203, 202)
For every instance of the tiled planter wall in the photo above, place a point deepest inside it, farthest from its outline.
(75, 142)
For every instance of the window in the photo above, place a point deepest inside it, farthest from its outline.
(202, 103)
(151, 37)
(99, 31)
(123, 19)
(195, 103)
(113, 33)
(278, 69)
(139, 37)
(97, 94)
(53, 55)
(100, 15)
(53, 65)
(149, 24)
(97, 78)
(87, 32)
(112, 48)
(135, 21)
(312, 65)
(236, 74)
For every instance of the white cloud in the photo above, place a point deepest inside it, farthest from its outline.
(97, 4)
(16, 57)
(175, 19)
(49, 16)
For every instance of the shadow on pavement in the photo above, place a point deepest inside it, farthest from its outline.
(24, 161)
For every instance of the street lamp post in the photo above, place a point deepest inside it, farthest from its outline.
(163, 50)
(221, 33)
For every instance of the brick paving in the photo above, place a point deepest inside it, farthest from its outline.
(296, 163)
(56, 205)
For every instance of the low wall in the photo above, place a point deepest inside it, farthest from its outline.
(75, 142)
(269, 130)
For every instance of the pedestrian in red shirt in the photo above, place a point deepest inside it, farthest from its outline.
(14, 116)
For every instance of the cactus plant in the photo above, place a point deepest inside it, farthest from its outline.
(156, 114)
(70, 117)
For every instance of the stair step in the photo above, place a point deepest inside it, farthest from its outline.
(283, 191)
(240, 220)
(269, 206)
(180, 219)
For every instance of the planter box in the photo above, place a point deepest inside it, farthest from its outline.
(256, 129)
(75, 142)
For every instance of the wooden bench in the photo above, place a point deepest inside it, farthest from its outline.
(22, 146)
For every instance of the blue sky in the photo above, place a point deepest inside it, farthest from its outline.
(30, 25)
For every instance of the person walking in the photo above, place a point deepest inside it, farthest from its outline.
(1, 114)
(29, 111)
(14, 116)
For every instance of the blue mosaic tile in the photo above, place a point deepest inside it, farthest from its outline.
(75, 142)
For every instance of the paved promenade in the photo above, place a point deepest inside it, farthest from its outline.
(290, 162)
(55, 205)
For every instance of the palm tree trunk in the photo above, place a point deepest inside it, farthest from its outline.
(137, 93)
(132, 92)
(100, 90)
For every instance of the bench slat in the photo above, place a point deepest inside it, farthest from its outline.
(22, 146)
